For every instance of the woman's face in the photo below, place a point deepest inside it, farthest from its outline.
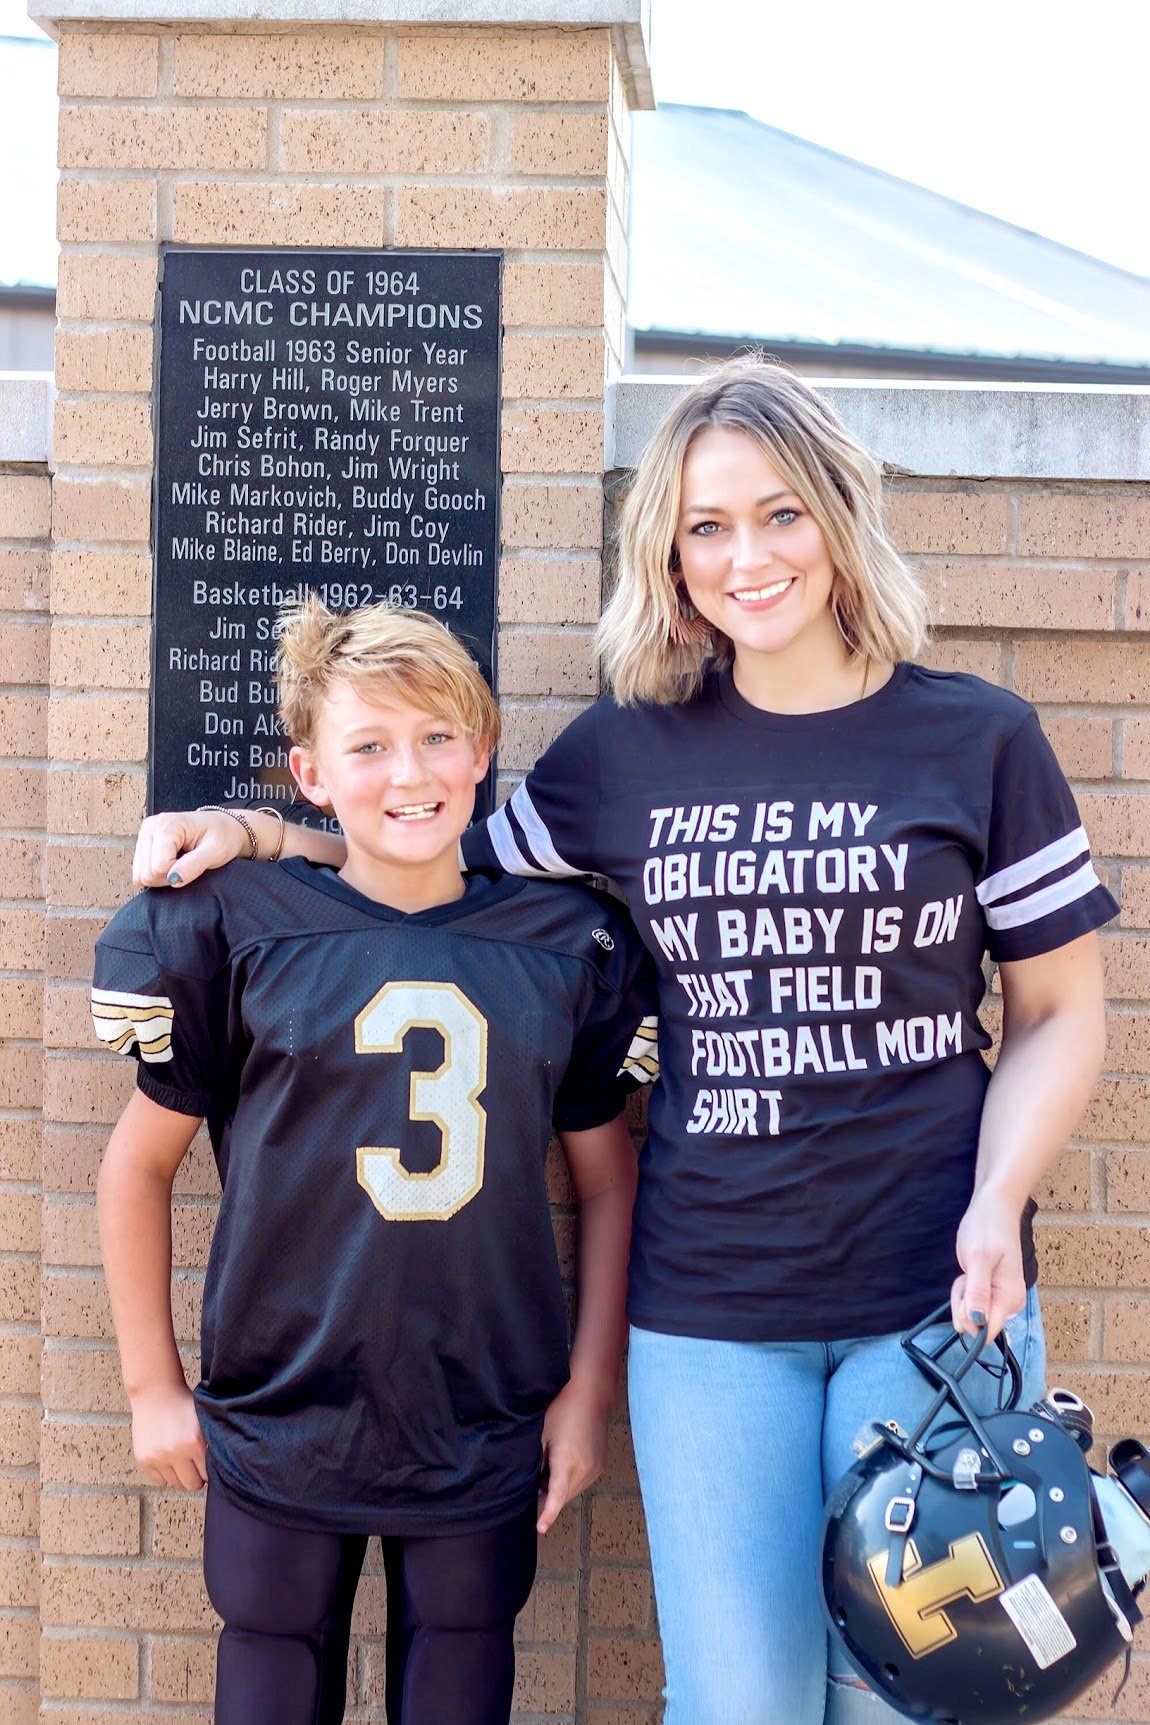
(754, 561)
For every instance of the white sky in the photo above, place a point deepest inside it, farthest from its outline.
(1034, 110)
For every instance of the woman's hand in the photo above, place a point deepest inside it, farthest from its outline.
(167, 1441)
(574, 1447)
(174, 849)
(992, 1285)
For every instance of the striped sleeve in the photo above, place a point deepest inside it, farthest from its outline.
(172, 1023)
(549, 825)
(1039, 888)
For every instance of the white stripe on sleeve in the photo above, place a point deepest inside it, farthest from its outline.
(511, 858)
(537, 835)
(1033, 867)
(1053, 897)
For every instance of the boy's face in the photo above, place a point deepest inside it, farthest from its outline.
(401, 782)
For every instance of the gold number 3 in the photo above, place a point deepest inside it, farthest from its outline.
(449, 1096)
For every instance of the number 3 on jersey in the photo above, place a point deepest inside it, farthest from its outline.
(449, 1097)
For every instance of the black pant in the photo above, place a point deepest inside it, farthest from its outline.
(286, 1599)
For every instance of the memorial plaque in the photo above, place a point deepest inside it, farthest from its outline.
(326, 420)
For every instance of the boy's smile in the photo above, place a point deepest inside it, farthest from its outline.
(401, 782)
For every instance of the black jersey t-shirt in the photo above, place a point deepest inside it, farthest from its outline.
(383, 1321)
(818, 892)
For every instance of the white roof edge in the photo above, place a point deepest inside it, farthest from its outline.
(629, 20)
(946, 430)
(26, 416)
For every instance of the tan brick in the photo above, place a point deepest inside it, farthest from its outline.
(1113, 672)
(23, 725)
(67, 1018)
(1135, 896)
(19, 1221)
(379, 141)
(1126, 1333)
(75, 1305)
(623, 1670)
(93, 1089)
(524, 217)
(24, 653)
(104, 361)
(108, 64)
(563, 296)
(971, 522)
(186, 138)
(348, 68)
(482, 66)
(617, 1530)
(106, 288)
(551, 1614)
(24, 580)
(1118, 823)
(105, 510)
(22, 1007)
(21, 1077)
(620, 1599)
(82, 876)
(1136, 748)
(71, 1157)
(19, 1507)
(99, 728)
(536, 516)
(541, 440)
(1118, 1398)
(20, 1149)
(1093, 1254)
(89, 1668)
(276, 213)
(970, 596)
(535, 590)
(75, 1454)
(183, 1670)
(100, 655)
(976, 658)
(25, 506)
(553, 145)
(545, 1682)
(529, 729)
(1085, 747)
(1138, 599)
(1128, 1174)
(71, 1234)
(546, 663)
(20, 1435)
(1128, 1042)
(123, 1596)
(99, 802)
(620, 1474)
(566, 367)
(23, 796)
(19, 1650)
(1084, 523)
(21, 876)
(22, 939)
(19, 1375)
(1067, 1323)
(103, 433)
(559, 1547)
(102, 583)
(82, 1380)
(1118, 1111)
(70, 949)
(19, 1297)
(106, 210)
(90, 1524)
(19, 1577)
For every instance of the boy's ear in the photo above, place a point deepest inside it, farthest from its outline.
(306, 773)
(482, 762)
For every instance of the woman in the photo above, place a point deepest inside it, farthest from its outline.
(820, 841)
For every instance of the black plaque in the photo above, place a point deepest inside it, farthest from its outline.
(326, 420)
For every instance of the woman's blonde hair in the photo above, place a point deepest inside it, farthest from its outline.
(389, 655)
(651, 647)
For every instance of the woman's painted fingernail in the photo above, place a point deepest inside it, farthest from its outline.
(175, 879)
(978, 1317)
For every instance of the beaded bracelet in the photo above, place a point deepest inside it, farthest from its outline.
(219, 809)
(277, 814)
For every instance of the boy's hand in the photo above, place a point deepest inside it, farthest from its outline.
(574, 1448)
(167, 1441)
(172, 850)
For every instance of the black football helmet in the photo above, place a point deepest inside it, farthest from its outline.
(965, 1566)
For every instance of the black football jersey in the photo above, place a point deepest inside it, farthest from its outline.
(383, 1320)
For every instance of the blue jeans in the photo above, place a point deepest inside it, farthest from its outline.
(737, 1445)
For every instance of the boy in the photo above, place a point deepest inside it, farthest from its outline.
(379, 1054)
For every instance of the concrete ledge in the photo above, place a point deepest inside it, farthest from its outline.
(25, 416)
(973, 431)
(628, 20)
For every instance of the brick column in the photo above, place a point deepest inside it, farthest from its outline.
(203, 127)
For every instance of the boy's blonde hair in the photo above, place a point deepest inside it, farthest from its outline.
(388, 655)
(653, 650)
